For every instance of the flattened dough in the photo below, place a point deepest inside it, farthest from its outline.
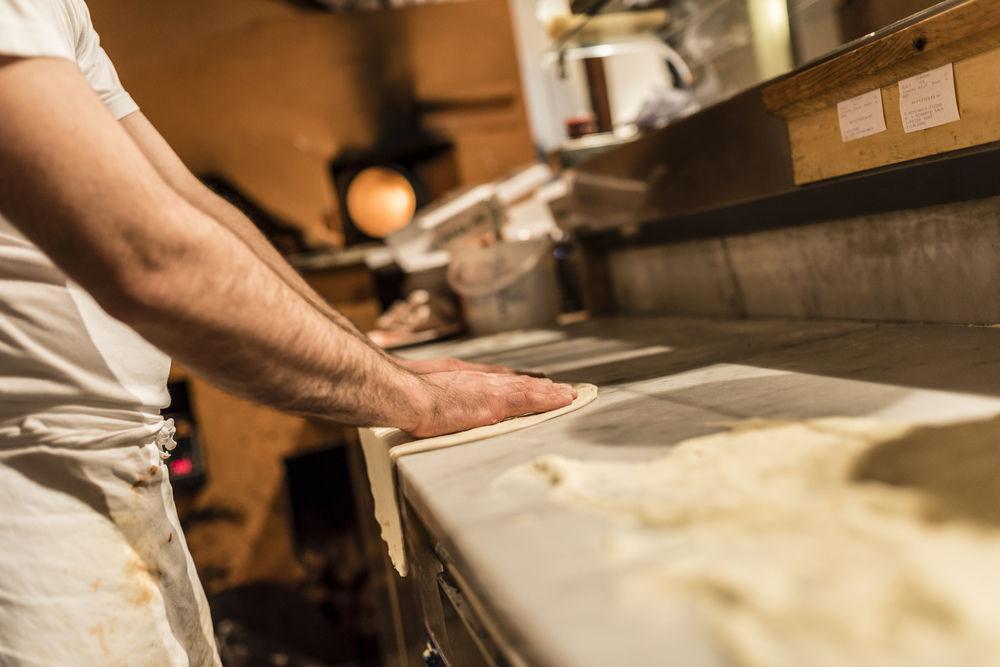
(384, 446)
(827, 542)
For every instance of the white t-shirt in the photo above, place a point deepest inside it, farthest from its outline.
(70, 375)
(94, 569)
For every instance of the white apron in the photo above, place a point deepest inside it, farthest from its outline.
(94, 569)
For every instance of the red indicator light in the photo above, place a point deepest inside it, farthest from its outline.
(181, 466)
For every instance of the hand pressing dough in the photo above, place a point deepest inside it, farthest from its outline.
(827, 542)
(384, 446)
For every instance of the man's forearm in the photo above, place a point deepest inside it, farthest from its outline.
(314, 368)
(175, 174)
(237, 223)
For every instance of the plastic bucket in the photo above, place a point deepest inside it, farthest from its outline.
(508, 285)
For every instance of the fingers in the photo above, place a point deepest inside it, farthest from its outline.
(460, 365)
(523, 396)
(491, 368)
(464, 399)
(443, 365)
(499, 370)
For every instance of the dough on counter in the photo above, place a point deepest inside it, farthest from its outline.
(827, 542)
(384, 446)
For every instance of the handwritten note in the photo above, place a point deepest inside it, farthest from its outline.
(861, 116)
(928, 99)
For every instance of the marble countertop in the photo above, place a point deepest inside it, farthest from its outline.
(540, 569)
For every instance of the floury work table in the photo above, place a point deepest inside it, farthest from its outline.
(510, 574)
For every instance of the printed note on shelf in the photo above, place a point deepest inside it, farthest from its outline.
(928, 99)
(861, 116)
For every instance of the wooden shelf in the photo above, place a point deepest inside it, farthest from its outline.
(966, 34)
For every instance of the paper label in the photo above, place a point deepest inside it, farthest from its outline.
(861, 116)
(928, 99)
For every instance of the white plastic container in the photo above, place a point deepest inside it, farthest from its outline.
(506, 286)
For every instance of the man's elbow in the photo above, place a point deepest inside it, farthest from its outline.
(157, 276)
(135, 296)
(145, 286)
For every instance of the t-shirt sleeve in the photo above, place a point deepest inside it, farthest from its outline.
(97, 67)
(27, 30)
(63, 29)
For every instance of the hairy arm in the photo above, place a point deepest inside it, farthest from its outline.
(75, 182)
(176, 174)
(173, 171)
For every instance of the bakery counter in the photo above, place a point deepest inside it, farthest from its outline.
(740, 492)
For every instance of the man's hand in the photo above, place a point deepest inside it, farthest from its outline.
(443, 365)
(459, 400)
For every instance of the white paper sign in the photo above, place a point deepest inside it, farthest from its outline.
(861, 116)
(928, 99)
